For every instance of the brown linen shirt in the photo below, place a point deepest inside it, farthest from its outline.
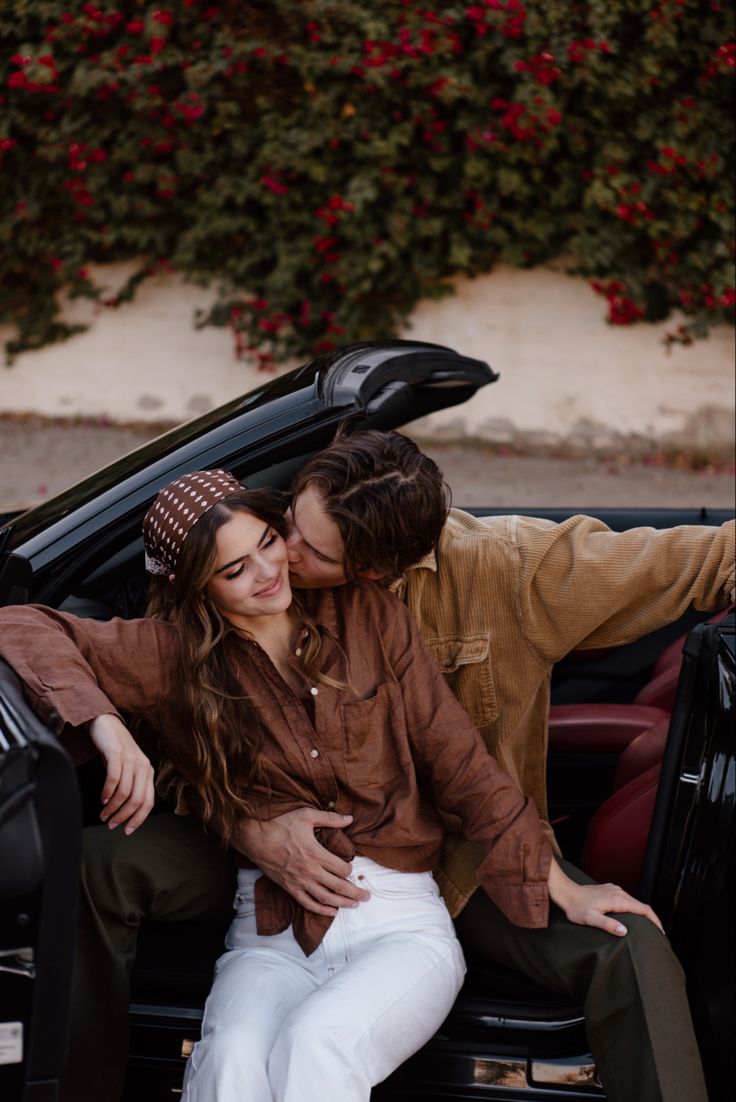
(504, 598)
(388, 754)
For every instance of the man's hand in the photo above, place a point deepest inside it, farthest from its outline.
(591, 904)
(128, 792)
(288, 852)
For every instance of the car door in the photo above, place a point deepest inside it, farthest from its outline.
(40, 836)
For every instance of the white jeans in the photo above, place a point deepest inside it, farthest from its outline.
(282, 1027)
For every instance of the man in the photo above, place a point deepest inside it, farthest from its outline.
(498, 603)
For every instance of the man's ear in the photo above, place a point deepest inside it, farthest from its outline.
(372, 575)
(171, 578)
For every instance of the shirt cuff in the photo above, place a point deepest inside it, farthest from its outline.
(524, 902)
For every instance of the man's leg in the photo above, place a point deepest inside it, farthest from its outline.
(632, 990)
(168, 870)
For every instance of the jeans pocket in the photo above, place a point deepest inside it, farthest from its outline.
(393, 884)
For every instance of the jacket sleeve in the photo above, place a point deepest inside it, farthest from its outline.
(74, 670)
(583, 586)
(452, 760)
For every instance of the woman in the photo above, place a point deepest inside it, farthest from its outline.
(265, 704)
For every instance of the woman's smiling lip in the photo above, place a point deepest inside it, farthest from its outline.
(272, 589)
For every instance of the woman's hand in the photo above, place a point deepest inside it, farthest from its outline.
(287, 851)
(591, 904)
(128, 791)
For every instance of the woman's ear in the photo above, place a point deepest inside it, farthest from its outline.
(171, 578)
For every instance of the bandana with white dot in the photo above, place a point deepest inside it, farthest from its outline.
(176, 510)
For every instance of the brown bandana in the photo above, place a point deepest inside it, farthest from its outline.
(176, 510)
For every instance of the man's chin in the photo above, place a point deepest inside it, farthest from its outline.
(297, 582)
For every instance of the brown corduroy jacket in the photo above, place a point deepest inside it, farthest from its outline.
(502, 599)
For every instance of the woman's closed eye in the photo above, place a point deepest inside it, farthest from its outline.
(268, 542)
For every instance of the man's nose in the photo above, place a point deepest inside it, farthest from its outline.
(293, 542)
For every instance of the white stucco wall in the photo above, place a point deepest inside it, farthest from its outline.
(567, 377)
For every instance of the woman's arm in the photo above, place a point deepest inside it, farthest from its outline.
(76, 674)
(518, 871)
(128, 792)
(591, 904)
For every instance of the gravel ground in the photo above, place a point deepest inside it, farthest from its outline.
(40, 458)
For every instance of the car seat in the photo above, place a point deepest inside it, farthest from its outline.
(616, 837)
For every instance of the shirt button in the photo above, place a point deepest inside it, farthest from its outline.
(447, 663)
(314, 690)
(314, 753)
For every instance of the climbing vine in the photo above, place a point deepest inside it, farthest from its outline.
(325, 166)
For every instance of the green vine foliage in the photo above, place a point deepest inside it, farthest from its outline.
(326, 165)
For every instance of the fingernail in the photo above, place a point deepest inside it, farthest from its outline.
(129, 830)
(347, 818)
(112, 824)
(620, 929)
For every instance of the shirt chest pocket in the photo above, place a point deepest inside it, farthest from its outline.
(373, 732)
(466, 664)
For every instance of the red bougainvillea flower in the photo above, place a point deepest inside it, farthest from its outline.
(274, 185)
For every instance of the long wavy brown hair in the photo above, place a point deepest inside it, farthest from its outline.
(226, 734)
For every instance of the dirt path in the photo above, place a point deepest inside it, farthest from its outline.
(38, 459)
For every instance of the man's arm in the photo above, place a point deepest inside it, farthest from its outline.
(287, 851)
(583, 586)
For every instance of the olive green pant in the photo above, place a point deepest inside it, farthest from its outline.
(632, 988)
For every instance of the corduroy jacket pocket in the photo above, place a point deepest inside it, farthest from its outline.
(466, 663)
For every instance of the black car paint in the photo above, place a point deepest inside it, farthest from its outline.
(504, 1045)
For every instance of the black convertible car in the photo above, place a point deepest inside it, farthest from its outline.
(505, 1038)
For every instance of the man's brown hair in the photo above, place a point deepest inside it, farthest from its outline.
(387, 498)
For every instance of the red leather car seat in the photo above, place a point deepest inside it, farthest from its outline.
(616, 837)
(612, 727)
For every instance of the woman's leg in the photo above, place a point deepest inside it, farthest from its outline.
(254, 990)
(257, 984)
(396, 969)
